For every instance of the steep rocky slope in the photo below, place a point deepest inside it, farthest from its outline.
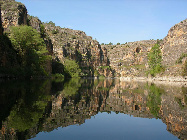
(62, 43)
(76, 45)
(174, 50)
(129, 59)
(13, 13)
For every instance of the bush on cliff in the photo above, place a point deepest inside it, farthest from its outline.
(72, 69)
(31, 49)
(154, 60)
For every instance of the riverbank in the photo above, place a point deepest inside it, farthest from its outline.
(181, 81)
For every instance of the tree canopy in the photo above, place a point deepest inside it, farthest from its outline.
(31, 50)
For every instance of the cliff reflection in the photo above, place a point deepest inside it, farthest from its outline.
(28, 108)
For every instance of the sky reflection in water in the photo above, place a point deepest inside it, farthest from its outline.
(104, 126)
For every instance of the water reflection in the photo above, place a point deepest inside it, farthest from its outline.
(30, 107)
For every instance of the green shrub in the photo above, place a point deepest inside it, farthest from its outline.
(72, 68)
(154, 60)
(73, 37)
(96, 73)
(42, 30)
(179, 60)
(184, 72)
(55, 31)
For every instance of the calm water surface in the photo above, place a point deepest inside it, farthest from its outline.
(86, 109)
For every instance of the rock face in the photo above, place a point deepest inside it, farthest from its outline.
(62, 43)
(129, 59)
(174, 50)
(76, 45)
(175, 43)
(13, 13)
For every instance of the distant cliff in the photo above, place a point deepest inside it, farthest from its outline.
(174, 50)
(131, 59)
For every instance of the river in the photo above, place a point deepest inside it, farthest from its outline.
(88, 109)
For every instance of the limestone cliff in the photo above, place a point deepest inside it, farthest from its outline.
(129, 59)
(13, 13)
(174, 50)
(76, 45)
(62, 43)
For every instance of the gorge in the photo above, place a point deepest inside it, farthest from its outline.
(93, 60)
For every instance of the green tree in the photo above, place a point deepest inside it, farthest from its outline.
(154, 60)
(31, 49)
(110, 43)
(72, 68)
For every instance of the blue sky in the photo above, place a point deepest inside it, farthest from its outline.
(112, 20)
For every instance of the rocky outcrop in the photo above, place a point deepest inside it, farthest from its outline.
(62, 43)
(13, 13)
(76, 45)
(129, 59)
(175, 43)
(174, 50)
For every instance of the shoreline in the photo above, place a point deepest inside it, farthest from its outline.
(179, 81)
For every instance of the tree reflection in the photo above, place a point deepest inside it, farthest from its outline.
(154, 99)
(46, 105)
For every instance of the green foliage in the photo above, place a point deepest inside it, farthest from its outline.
(30, 107)
(184, 72)
(154, 60)
(51, 23)
(73, 37)
(102, 44)
(71, 87)
(179, 60)
(110, 43)
(55, 31)
(96, 73)
(31, 49)
(118, 43)
(104, 67)
(72, 68)
(154, 100)
(42, 30)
